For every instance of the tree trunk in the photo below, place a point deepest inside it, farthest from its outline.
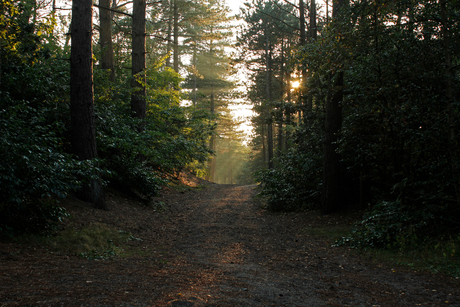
(268, 102)
(313, 27)
(288, 108)
(330, 201)
(281, 109)
(212, 143)
(264, 146)
(303, 69)
(331, 159)
(280, 137)
(169, 42)
(176, 37)
(194, 73)
(107, 60)
(138, 97)
(83, 132)
(303, 36)
(449, 76)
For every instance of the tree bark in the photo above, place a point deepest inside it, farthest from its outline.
(213, 140)
(170, 23)
(107, 59)
(264, 147)
(83, 132)
(331, 159)
(303, 36)
(303, 69)
(176, 37)
(212, 143)
(194, 73)
(138, 97)
(330, 195)
(449, 76)
(313, 28)
(268, 101)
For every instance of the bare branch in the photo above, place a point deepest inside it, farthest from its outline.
(291, 4)
(112, 10)
(278, 19)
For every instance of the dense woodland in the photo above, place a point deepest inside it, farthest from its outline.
(355, 107)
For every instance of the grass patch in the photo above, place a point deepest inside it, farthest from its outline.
(95, 241)
(440, 257)
(182, 187)
(332, 233)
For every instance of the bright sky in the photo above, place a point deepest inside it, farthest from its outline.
(235, 5)
(241, 111)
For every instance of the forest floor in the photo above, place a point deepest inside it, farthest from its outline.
(212, 245)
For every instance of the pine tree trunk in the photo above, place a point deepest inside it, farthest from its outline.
(449, 76)
(303, 36)
(268, 99)
(169, 37)
(331, 159)
(264, 146)
(176, 37)
(313, 27)
(288, 110)
(330, 195)
(281, 111)
(138, 97)
(194, 74)
(107, 60)
(303, 40)
(212, 143)
(83, 132)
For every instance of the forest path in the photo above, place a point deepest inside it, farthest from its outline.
(228, 240)
(212, 246)
(233, 253)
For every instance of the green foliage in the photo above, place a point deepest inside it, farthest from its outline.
(36, 216)
(34, 168)
(391, 225)
(95, 241)
(171, 136)
(294, 184)
(34, 163)
(20, 39)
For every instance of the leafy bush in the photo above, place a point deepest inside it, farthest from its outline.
(38, 216)
(34, 168)
(392, 225)
(171, 136)
(294, 184)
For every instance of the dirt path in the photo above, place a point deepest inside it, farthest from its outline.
(215, 247)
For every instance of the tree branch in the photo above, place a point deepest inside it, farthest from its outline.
(284, 10)
(112, 10)
(276, 18)
(291, 4)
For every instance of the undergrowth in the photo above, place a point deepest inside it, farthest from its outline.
(95, 241)
(399, 234)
